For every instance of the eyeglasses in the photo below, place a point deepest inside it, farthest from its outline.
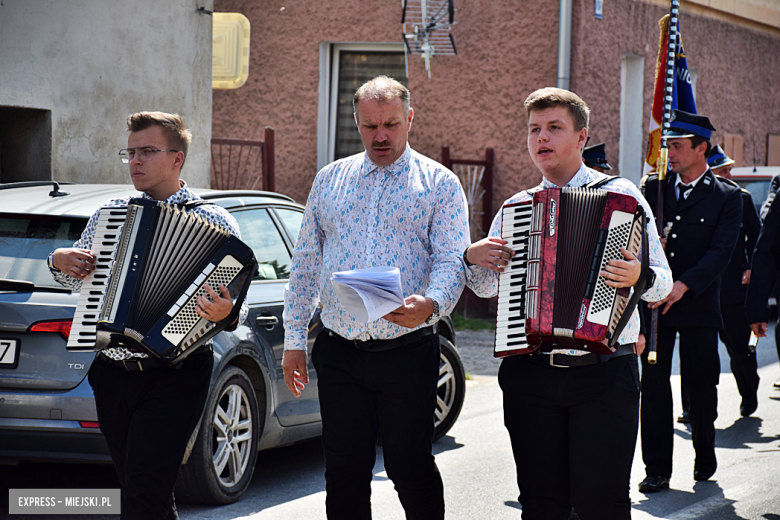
(143, 153)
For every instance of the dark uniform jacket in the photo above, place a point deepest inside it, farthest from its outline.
(774, 185)
(766, 264)
(732, 290)
(704, 230)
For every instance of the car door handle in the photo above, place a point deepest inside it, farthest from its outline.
(267, 321)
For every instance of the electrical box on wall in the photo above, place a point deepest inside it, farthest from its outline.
(230, 58)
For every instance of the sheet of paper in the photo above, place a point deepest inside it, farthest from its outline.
(369, 294)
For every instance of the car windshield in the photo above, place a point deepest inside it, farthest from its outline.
(27, 240)
(759, 189)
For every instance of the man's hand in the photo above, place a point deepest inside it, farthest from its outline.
(77, 263)
(415, 310)
(491, 253)
(759, 329)
(678, 290)
(746, 277)
(622, 273)
(217, 307)
(296, 371)
(663, 243)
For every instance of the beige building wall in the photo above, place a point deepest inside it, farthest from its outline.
(506, 49)
(84, 65)
(472, 101)
(735, 62)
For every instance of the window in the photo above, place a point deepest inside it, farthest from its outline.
(343, 68)
(25, 144)
(631, 129)
(292, 221)
(259, 232)
(25, 244)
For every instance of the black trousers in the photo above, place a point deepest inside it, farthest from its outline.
(735, 334)
(700, 372)
(366, 395)
(573, 433)
(147, 418)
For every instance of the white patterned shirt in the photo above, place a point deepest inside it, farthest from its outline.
(211, 212)
(484, 282)
(411, 215)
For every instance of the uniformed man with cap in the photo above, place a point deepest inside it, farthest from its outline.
(595, 158)
(702, 218)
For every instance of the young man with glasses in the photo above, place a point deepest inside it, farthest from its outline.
(148, 412)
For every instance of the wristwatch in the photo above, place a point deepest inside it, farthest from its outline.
(650, 281)
(51, 263)
(466, 257)
(435, 314)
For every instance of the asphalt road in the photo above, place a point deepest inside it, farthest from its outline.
(476, 464)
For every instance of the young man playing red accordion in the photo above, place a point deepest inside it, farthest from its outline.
(572, 415)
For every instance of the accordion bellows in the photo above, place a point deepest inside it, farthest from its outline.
(152, 262)
(551, 294)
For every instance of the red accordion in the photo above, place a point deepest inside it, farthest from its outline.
(551, 294)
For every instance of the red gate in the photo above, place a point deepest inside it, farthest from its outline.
(238, 164)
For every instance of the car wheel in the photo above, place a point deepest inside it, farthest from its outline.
(223, 458)
(451, 390)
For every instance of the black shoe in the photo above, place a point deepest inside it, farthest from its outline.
(748, 406)
(700, 475)
(653, 484)
(683, 417)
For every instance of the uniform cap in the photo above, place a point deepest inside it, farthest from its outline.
(684, 124)
(596, 155)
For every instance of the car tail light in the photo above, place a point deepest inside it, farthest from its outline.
(89, 424)
(62, 327)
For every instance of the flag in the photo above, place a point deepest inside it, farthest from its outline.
(682, 94)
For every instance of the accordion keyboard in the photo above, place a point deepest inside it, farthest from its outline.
(510, 318)
(108, 229)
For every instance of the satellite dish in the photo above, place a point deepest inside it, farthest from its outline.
(427, 29)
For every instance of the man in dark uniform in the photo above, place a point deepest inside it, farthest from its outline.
(702, 217)
(734, 282)
(595, 158)
(735, 333)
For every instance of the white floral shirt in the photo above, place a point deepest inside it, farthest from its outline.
(211, 212)
(484, 282)
(411, 215)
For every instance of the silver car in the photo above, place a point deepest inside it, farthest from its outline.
(47, 411)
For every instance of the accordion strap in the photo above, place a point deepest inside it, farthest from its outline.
(192, 204)
(598, 183)
(639, 288)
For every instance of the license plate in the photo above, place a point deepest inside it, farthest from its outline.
(9, 353)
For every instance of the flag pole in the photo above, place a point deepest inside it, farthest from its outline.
(663, 160)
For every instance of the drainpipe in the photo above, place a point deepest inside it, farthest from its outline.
(564, 44)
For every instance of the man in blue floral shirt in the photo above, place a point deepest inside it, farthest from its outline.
(388, 206)
(147, 412)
